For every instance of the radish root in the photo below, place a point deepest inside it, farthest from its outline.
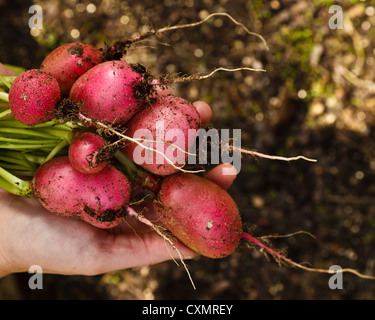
(195, 24)
(266, 156)
(163, 233)
(281, 258)
(165, 80)
(288, 235)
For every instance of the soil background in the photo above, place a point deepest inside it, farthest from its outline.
(316, 99)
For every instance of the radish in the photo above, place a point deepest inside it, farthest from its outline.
(83, 153)
(33, 96)
(98, 198)
(111, 92)
(201, 214)
(68, 62)
(164, 126)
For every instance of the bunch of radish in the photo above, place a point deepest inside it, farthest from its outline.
(75, 84)
(83, 106)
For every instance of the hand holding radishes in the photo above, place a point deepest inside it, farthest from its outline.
(30, 235)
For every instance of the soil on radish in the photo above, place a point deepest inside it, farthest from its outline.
(143, 90)
(116, 51)
(106, 216)
(76, 50)
(66, 109)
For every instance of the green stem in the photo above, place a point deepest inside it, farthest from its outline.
(23, 173)
(130, 167)
(13, 123)
(9, 187)
(137, 174)
(12, 156)
(5, 81)
(26, 147)
(4, 96)
(28, 141)
(12, 160)
(5, 113)
(56, 150)
(30, 164)
(9, 79)
(55, 123)
(53, 132)
(19, 159)
(26, 133)
(17, 185)
(12, 166)
(34, 158)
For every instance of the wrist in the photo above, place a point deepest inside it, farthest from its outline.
(6, 256)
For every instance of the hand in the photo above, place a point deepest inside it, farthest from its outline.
(30, 235)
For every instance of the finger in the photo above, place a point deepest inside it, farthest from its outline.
(205, 112)
(223, 175)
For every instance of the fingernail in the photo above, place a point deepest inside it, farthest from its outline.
(229, 170)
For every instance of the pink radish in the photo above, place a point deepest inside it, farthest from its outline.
(110, 92)
(83, 152)
(200, 214)
(98, 198)
(166, 121)
(68, 62)
(33, 96)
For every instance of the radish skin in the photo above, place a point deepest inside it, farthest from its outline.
(98, 199)
(176, 116)
(33, 96)
(70, 61)
(83, 152)
(107, 92)
(201, 214)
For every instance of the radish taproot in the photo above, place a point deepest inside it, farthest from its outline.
(83, 152)
(98, 199)
(111, 92)
(70, 61)
(164, 127)
(33, 96)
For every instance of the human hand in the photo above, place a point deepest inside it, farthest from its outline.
(30, 235)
